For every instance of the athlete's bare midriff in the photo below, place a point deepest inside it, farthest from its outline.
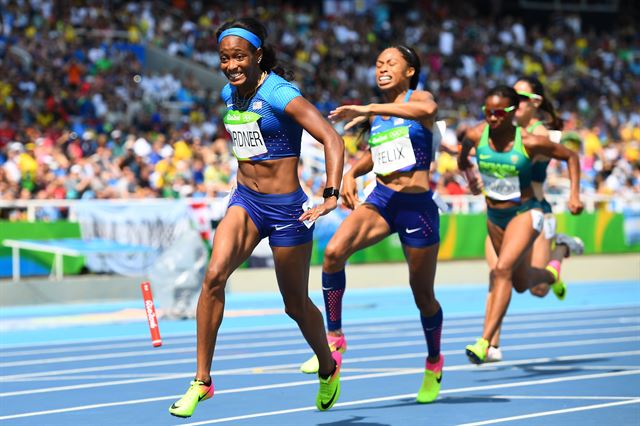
(270, 176)
(415, 181)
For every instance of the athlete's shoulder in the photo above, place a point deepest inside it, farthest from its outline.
(225, 93)
(278, 92)
(531, 140)
(475, 132)
(421, 95)
(274, 81)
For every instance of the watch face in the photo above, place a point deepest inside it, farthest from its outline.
(330, 192)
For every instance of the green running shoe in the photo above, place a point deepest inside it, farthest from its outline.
(431, 382)
(329, 391)
(558, 287)
(185, 406)
(477, 353)
(336, 343)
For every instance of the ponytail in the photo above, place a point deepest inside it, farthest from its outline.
(554, 122)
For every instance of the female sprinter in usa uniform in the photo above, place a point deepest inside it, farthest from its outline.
(400, 154)
(265, 118)
(505, 157)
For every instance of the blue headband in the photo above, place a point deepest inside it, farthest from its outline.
(240, 32)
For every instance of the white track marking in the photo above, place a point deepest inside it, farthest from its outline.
(412, 395)
(448, 369)
(553, 412)
(284, 331)
(300, 341)
(138, 365)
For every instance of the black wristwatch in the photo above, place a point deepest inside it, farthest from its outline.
(331, 192)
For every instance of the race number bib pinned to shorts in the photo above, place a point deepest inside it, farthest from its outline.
(391, 150)
(245, 134)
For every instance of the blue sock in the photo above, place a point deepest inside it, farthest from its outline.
(432, 327)
(333, 286)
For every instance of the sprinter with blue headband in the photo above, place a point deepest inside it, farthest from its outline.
(265, 117)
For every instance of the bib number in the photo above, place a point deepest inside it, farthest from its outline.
(391, 150)
(245, 134)
(501, 189)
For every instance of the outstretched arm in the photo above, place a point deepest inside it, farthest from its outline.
(421, 107)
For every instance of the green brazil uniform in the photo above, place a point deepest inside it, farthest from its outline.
(504, 176)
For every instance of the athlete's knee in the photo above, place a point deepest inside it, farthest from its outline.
(427, 304)
(501, 273)
(215, 279)
(333, 258)
(519, 288)
(296, 309)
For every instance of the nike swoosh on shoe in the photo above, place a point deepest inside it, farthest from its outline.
(328, 404)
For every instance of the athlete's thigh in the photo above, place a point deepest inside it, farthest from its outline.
(490, 253)
(362, 228)
(234, 240)
(517, 238)
(292, 269)
(496, 236)
(541, 251)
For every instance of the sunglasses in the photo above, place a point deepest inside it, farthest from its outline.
(500, 112)
(526, 96)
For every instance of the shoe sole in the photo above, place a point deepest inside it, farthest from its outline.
(179, 416)
(473, 357)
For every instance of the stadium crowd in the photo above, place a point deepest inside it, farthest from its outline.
(81, 118)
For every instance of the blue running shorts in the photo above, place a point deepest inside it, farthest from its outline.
(275, 215)
(414, 216)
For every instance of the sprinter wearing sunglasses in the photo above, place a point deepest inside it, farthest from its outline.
(505, 155)
(537, 115)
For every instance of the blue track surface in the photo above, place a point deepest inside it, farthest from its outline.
(571, 362)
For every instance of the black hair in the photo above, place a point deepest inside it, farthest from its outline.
(555, 122)
(269, 61)
(505, 91)
(412, 58)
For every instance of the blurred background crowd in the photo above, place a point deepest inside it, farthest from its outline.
(83, 116)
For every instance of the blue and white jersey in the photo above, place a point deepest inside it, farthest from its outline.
(263, 131)
(399, 144)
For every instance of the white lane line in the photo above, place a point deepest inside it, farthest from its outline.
(448, 369)
(260, 355)
(565, 397)
(300, 341)
(311, 408)
(283, 331)
(553, 412)
(294, 369)
(412, 395)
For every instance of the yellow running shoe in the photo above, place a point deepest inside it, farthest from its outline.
(336, 343)
(558, 287)
(329, 390)
(477, 353)
(431, 382)
(185, 406)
